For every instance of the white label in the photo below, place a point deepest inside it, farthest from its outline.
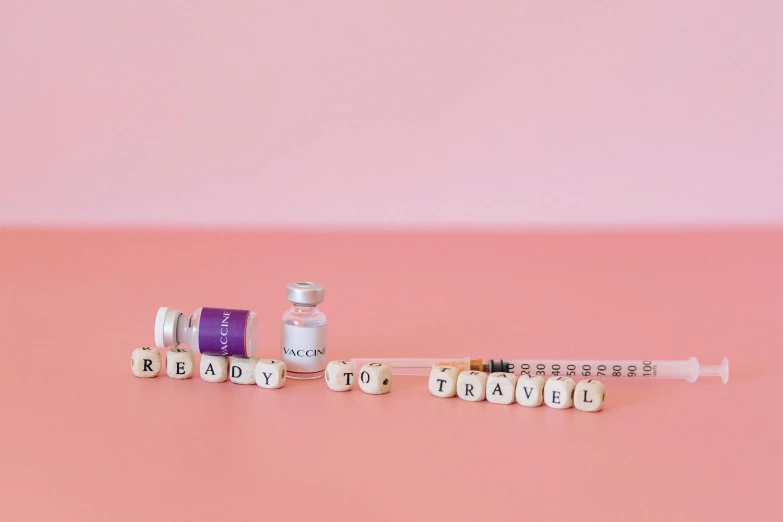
(303, 348)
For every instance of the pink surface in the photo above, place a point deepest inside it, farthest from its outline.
(82, 439)
(406, 113)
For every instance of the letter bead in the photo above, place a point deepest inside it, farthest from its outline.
(243, 370)
(443, 381)
(500, 387)
(589, 395)
(530, 390)
(559, 392)
(375, 378)
(214, 368)
(472, 386)
(179, 363)
(270, 373)
(146, 362)
(339, 375)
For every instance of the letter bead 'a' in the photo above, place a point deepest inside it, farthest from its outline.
(472, 386)
(270, 373)
(340, 375)
(501, 387)
(146, 362)
(375, 378)
(180, 363)
(559, 392)
(443, 381)
(214, 368)
(589, 395)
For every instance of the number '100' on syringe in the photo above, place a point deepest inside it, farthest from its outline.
(689, 369)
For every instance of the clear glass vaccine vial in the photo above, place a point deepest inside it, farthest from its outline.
(303, 336)
(212, 331)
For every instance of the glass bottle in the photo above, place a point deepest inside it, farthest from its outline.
(303, 335)
(211, 331)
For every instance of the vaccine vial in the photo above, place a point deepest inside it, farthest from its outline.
(211, 331)
(303, 337)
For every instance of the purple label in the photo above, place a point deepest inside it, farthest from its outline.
(221, 331)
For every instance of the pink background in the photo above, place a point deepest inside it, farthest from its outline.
(282, 124)
(361, 113)
(83, 439)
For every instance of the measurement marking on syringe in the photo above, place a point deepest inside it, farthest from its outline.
(648, 369)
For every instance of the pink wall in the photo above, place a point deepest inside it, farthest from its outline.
(391, 113)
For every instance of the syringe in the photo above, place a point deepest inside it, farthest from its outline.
(689, 369)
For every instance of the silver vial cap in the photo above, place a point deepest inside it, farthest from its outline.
(305, 292)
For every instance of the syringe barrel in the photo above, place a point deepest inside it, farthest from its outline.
(596, 369)
(688, 369)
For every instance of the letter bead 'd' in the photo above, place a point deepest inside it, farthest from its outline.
(146, 362)
(530, 390)
(472, 386)
(559, 392)
(375, 378)
(443, 381)
(270, 373)
(340, 375)
(243, 370)
(180, 363)
(500, 387)
(214, 368)
(589, 395)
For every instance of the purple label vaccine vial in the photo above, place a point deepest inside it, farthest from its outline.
(212, 331)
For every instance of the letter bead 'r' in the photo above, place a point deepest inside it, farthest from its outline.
(146, 362)
(472, 386)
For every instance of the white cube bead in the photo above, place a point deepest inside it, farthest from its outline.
(270, 373)
(530, 390)
(180, 363)
(375, 378)
(472, 386)
(339, 375)
(146, 362)
(559, 392)
(243, 370)
(589, 395)
(501, 387)
(443, 381)
(214, 368)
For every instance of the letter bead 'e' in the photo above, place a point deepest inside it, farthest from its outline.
(146, 362)
(559, 392)
(180, 363)
(375, 378)
(339, 375)
(589, 395)
(501, 387)
(443, 381)
(472, 386)
(270, 373)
